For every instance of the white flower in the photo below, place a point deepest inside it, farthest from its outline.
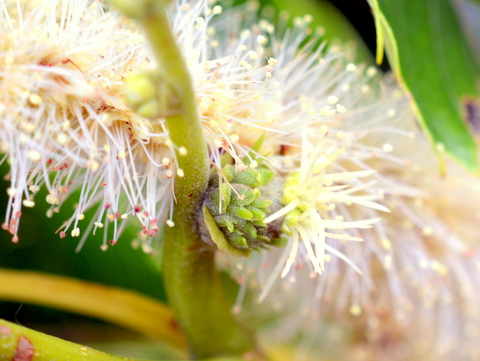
(346, 144)
(65, 126)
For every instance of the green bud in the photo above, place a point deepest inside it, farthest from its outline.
(258, 215)
(238, 207)
(247, 229)
(228, 172)
(261, 203)
(139, 89)
(241, 212)
(225, 193)
(150, 95)
(149, 109)
(259, 223)
(267, 174)
(239, 241)
(226, 221)
(249, 177)
(244, 195)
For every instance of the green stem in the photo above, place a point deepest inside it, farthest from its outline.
(191, 279)
(21, 343)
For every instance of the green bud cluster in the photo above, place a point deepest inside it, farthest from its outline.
(240, 204)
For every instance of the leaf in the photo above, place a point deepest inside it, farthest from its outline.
(428, 52)
(41, 249)
(119, 306)
(336, 28)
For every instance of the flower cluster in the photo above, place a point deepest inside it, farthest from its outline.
(371, 248)
(64, 124)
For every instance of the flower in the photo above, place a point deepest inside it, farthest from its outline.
(368, 251)
(345, 144)
(64, 124)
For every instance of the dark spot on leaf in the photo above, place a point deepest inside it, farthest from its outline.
(174, 324)
(195, 247)
(24, 351)
(472, 113)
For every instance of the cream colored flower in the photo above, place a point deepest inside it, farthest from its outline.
(64, 124)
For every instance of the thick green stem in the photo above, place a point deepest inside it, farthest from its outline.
(195, 291)
(20, 343)
(191, 279)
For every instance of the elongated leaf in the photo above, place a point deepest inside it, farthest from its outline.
(119, 306)
(428, 52)
(41, 249)
(337, 29)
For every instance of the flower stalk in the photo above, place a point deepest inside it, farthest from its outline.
(190, 276)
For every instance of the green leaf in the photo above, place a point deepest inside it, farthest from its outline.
(337, 29)
(41, 249)
(430, 55)
(119, 306)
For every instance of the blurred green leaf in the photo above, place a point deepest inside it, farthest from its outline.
(430, 55)
(116, 305)
(336, 28)
(469, 14)
(41, 249)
